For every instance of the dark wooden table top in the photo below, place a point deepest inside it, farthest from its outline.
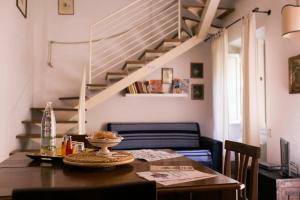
(19, 171)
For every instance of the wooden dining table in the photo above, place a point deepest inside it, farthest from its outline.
(19, 171)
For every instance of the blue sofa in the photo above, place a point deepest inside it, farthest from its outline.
(184, 138)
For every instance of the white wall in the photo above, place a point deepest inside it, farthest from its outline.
(64, 78)
(283, 109)
(16, 64)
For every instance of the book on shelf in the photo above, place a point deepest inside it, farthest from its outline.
(138, 88)
(178, 86)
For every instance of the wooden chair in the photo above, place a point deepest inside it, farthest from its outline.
(132, 191)
(242, 154)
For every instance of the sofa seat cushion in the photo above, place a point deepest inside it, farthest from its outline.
(202, 156)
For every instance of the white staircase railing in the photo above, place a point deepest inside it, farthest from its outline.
(128, 32)
(81, 108)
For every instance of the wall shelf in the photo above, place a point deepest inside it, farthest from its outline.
(157, 95)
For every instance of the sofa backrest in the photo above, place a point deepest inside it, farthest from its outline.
(157, 135)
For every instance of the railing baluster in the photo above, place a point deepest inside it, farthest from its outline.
(179, 19)
(114, 33)
(91, 54)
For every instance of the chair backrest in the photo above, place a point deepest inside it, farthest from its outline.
(243, 154)
(133, 191)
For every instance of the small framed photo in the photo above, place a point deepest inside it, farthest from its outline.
(22, 6)
(167, 75)
(294, 74)
(196, 70)
(66, 7)
(197, 92)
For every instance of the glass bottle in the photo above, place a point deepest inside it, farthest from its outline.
(48, 132)
(69, 148)
(64, 145)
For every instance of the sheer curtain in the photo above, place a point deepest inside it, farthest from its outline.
(250, 77)
(220, 91)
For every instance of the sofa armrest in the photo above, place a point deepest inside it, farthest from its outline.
(216, 149)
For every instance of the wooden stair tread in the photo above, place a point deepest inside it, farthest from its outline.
(58, 122)
(133, 62)
(156, 51)
(134, 68)
(96, 85)
(35, 135)
(227, 11)
(118, 75)
(70, 98)
(173, 40)
(56, 109)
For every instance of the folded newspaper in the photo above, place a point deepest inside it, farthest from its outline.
(169, 175)
(153, 155)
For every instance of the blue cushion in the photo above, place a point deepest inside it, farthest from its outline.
(202, 156)
(157, 135)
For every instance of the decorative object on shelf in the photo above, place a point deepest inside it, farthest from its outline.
(156, 86)
(294, 74)
(196, 70)
(22, 6)
(167, 75)
(166, 88)
(197, 92)
(290, 19)
(48, 132)
(181, 86)
(66, 7)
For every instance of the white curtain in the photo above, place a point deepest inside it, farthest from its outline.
(250, 77)
(220, 92)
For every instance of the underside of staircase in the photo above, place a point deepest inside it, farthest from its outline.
(197, 23)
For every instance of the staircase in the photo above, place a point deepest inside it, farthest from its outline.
(125, 47)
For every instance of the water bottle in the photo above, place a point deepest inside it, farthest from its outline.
(48, 132)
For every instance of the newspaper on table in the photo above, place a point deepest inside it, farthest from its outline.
(169, 175)
(153, 155)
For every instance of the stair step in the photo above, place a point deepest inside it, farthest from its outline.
(188, 15)
(35, 135)
(56, 109)
(133, 65)
(115, 76)
(70, 98)
(222, 12)
(154, 53)
(95, 87)
(57, 122)
(172, 42)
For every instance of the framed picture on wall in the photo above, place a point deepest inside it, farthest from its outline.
(197, 92)
(294, 74)
(196, 70)
(22, 6)
(167, 75)
(66, 7)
